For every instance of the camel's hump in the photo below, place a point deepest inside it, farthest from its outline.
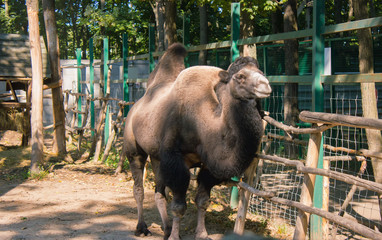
(169, 66)
(196, 84)
(199, 77)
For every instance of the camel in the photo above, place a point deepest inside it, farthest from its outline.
(201, 116)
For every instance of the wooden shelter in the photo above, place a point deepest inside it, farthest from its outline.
(16, 71)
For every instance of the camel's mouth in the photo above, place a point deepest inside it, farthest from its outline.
(263, 94)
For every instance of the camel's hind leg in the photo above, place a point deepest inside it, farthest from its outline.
(160, 197)
(205, 183)
(137, 165)
(176, 176)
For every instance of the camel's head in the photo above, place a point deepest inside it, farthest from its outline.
(246, 80)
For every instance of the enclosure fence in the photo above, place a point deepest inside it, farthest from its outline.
(284, 156)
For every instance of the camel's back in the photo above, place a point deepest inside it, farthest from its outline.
(195, 85)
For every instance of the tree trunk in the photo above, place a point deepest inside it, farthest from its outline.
(291, 68)
(277, 20)
(6, 8)
(368, 90)
(170, 23)
(59, 144)
(337, 11)
(203, 33)
(158, 9)
(36, 59)
(101, 74)
(247, 29)
(351, 10)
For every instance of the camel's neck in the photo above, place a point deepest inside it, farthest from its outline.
(242, 127)
(240, 115)
(244, 118)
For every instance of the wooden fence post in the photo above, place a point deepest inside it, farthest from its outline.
(244, 197)
(307, 188)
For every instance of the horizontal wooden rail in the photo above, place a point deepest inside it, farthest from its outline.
(354, 25)
(14, 105)
(294, 130)
(373, 186)
(343, 120)
(352, 225)
(352, 78)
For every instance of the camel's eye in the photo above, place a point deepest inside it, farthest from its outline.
(240, 76)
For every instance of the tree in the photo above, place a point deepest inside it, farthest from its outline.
(13, 17)
(203, 33)
(368, 90)
(170, 23)
(158, 9)
(36, 58)
(59, 141)
(291, 68)
(247, 27)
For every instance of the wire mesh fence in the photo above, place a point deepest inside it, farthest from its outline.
(340, 147)
(340, 143)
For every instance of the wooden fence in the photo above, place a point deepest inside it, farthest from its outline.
(321, 122)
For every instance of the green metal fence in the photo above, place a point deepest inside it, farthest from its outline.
(336, 93)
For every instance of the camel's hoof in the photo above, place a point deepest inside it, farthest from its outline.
(202, 236)
(174, 238)
(167, 233)
(142, 230)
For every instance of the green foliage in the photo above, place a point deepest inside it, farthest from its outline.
(40, 175)
(5, 21)
(113, 159)
(79, 20)
(16, 21)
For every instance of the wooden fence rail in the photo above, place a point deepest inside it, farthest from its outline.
(95, 148)
(310, 170)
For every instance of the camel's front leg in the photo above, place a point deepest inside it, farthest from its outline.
(176, 176)
(205, 183)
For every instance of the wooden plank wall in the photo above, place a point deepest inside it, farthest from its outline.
(15, 58)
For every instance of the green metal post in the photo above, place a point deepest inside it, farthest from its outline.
(106, 90)
(151, 46)
(235, 30)
(186, 37)
(79, 87)
(125, 52)
(91, 72)
(235, 34)
(318, 106)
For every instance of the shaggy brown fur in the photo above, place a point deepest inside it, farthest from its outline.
(207, 117)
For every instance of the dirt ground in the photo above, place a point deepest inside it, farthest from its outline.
(86, 201)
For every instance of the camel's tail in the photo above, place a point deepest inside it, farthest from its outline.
(169, 65)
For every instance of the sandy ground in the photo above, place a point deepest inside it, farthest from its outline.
(87, 201)
(78, 202)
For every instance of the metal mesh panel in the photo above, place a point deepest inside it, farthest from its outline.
(339, 146)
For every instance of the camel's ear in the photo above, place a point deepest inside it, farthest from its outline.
(239, 77)
(224, 76)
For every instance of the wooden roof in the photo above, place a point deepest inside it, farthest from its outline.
(15, 58)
